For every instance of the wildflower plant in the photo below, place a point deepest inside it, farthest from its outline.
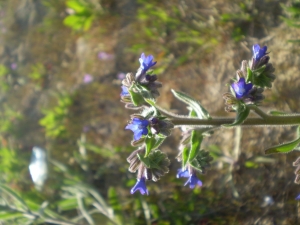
(151, 124)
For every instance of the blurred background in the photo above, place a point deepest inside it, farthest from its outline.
(61, 66)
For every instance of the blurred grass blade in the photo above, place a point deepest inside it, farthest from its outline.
(83, 210)
(10, 192)
(4, 216)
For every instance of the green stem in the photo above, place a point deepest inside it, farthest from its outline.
(267, 121)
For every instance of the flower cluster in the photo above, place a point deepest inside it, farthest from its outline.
(149, 127)
(152, 124)
(141, 85)
(251, 80)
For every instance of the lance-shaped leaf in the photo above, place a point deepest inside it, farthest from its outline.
(196, 139)
(241, 114)
(185, 156)
(194, 104)
(250, 77)
(283, 148)
(153, 143)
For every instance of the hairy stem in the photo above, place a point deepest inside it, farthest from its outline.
(292, 120)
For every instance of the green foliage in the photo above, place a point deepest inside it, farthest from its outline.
(241, 114)
(38, 71)
(194, 104)
(54, 119)
(174, 29)
(153, 143)
(239, 20)
(283, 148)
(83, 15)
(293, 16)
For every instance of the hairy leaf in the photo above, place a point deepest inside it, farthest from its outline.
(194, 104)
(283, 148)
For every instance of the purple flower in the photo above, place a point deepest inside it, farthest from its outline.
(124, 91)
(259, 52)
(105, 56)
(146, 62)
(13, 66)
(298, 197)
(241, 89)
(193, 181)
(87, 78)
(141, 186)
(121, 76)
(139, 127)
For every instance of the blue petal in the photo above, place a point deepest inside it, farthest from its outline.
(182, 173)
(137, 135)
(298, 197)
(141, 186)
(193, 181)
(139, 127)
(141, 122)
(124, 91)
(132, 127)
(241, 89)
(146, 62)
(259, 52)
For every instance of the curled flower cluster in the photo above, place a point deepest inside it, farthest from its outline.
(251, 81)
(149, 127)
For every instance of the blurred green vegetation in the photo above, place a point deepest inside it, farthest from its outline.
(44, 101)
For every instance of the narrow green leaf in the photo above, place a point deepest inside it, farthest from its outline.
(10, 192)
(67, 204)
(194, 104)
(240, 117)
(196, 140)
(249, 75)
(185, 156)
(283, 148)
(10, 215)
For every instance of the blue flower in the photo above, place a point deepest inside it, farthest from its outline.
(124, 91)
(193, 181)
(139, 127)
(259, 52)
(182, 173)
(146, 62)
(141, 186)
(241, 89)
(298, 197)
